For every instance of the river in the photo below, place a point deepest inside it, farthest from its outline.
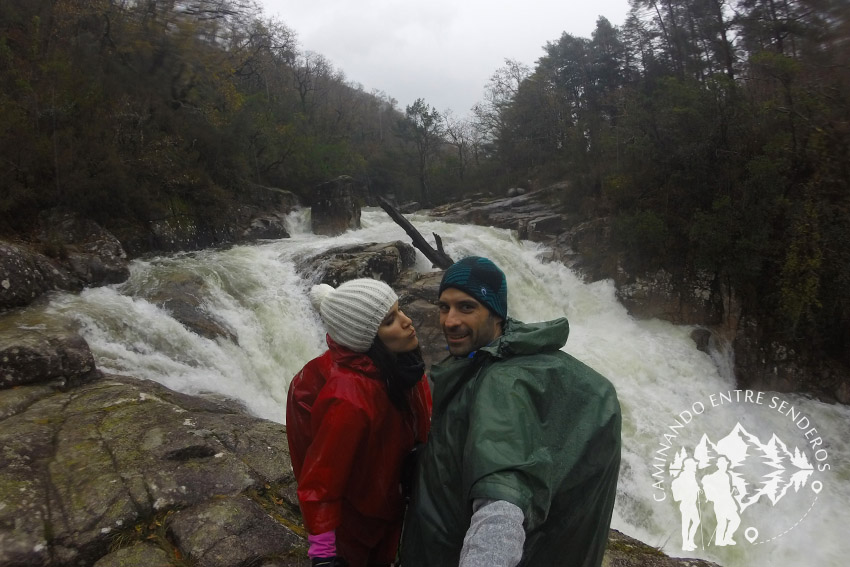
(793, 494)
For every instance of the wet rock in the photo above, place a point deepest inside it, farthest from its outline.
(19, 398)
(687, 299)
(334, 208)
(266, 227)
(69, 254)
(514, 213)
(410, 207)
(625, 551)
(417, 299)
(26, 275)
(701, 338)
(383, 261)
(542, 228)
(182, 297)
(84, 465)
(30, 356)
(230, 531)
(184, 232)
(91, 253)
(138, 555)
(260, 214)
(765, 364)
(586, 248)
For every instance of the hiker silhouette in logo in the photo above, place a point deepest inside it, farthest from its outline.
(718, 489)
(686, 491)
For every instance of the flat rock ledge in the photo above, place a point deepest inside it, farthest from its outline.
(121, 471)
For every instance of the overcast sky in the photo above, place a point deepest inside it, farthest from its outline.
(443, 51)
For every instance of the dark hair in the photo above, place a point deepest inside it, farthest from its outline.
(400, 372)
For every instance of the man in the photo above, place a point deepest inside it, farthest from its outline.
(718, 489)
(521, 464)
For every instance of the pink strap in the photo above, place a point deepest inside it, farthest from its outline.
(322, 545)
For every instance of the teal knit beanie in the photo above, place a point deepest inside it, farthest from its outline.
(482, 279)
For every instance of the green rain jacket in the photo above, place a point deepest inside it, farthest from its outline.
(524, 422)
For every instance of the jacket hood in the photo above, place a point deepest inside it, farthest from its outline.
(530, 338)
(358, 361)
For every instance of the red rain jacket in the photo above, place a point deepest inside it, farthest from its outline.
(347, 441)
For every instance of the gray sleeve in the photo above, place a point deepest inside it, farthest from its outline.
(495, 536)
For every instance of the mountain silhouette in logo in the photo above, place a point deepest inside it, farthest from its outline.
(756, 469)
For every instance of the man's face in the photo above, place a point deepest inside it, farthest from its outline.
(467, 324)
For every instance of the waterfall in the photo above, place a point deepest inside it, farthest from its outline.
(662, 379)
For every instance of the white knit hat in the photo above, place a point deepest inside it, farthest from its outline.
(353, 312)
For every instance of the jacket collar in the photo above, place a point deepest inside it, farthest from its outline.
(358, 361)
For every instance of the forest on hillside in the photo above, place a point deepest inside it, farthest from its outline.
(714, 133)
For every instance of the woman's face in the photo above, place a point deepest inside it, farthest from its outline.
(397, 332)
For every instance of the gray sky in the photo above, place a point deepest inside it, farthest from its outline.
(443, 51)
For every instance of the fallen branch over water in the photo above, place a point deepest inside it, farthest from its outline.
(438, 257)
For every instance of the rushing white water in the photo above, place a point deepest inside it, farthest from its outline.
(256, 293)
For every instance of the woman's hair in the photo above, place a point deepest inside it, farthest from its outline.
(400, 372)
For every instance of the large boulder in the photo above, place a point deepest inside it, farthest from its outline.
(136, 555)
(383, 261)
(26, 275)
(270, 226)
(91, 253)
(31, 356)
(334, 208)
(69, 253)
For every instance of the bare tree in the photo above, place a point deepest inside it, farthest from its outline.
(499, 94)
(460, 134)
(423, 127)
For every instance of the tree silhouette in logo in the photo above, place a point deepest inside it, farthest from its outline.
(739, 471)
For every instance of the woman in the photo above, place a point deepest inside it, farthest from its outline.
(353, 415)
